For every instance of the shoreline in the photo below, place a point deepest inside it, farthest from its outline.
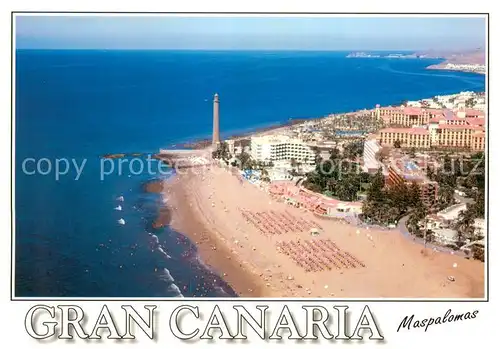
(205, 209)
(164, 216)
(211, 251)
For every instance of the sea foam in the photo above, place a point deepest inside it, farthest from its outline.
(175, 290)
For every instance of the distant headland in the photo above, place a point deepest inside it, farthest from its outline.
(389, 55)
(472, 61)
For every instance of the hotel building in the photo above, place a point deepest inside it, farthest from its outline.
(405, 116)
(464, 129)
(277, 148)
(408, 137)
(370, 151)
(405, 171)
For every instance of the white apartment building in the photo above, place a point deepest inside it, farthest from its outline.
(277, 148)
(370, 150)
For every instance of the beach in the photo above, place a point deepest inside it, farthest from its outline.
(207, 203)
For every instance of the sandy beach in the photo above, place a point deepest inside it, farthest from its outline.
(210, 206)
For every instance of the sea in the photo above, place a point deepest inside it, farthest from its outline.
(73, 106)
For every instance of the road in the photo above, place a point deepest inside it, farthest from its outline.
(401, 228)
(404, 230)
(462, 199)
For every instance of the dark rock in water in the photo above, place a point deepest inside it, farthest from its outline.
(121, 155)
(155, 186)
(163, 219)
(113, 156)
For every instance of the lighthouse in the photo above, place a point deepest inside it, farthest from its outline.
(215, 134)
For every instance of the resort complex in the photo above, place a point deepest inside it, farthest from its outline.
(432, 128)
(328, 166)
(320, 207)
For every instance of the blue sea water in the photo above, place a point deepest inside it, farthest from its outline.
(79, 105)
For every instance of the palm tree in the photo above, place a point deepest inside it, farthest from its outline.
(375, 191)
(392, 214)
(265, 175)
(399, 196)
(414, 198)
(334, 154)
(478, 252)
(430, 172)
(244, 159)
(331, 185)
(416, 217)
(412, 223)
(428, 236)
(479, 204)
(446, 195)
(465, 226)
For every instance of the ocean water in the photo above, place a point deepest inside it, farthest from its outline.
(78, 105)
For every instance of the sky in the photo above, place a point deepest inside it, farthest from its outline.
(249, 33)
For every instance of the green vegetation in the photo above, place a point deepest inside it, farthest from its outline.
(466, 232)
(474, 183)
(417, 224)
(353, 150)
(340, 176)
(470, 103)
(467, 173)
(362, 122)
(222, 152)
(478, 252)
(386, 204)
(465, 226)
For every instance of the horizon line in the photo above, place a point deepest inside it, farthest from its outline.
(243, 49)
